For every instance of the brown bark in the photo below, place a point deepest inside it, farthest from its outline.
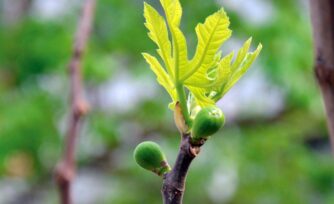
(65, 169)
(14, 11)
(322, 13)
(174, 181)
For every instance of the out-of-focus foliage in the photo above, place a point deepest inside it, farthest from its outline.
(280, 158)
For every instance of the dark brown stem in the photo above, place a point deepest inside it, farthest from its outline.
(65, 169)
(174, 181)
(322, 12)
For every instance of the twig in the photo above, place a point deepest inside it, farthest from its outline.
(174, 182)
(65, 169)
(322, 12)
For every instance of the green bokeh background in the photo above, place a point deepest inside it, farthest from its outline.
(273, 153)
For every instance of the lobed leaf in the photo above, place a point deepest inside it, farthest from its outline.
(180, 57)
(158, 32)
(239, 71)
(241, 54)
(210, 36)
(173, 11)
(162, 76)
(201, 96)
(207, 75)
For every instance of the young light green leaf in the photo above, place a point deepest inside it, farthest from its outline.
(162, 76)
(241, 54)
(241, 70)
(201, 96)
(210, 36)
(204, 93)
(180, 56)
(223, 71)
(207, 76)
(173, 11)
(158, 32)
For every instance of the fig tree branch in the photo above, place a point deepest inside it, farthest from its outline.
(65, 170)
(174, 181)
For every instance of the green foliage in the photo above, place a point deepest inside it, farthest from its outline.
(149, 156)
(118, 27)
(24, 130)
(34, 48)
(208, 75)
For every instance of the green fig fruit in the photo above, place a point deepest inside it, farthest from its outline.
(207, 122)
(149, 156)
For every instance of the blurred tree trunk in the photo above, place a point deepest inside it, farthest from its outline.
(13, 11)
(322, 13)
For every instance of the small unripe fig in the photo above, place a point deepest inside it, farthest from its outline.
(149, 156)
(207, 122)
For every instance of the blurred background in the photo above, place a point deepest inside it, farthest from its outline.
(273, 149)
